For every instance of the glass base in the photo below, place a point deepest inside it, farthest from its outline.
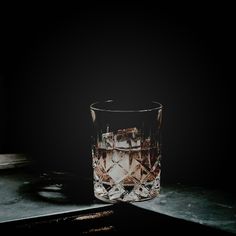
(127, 197)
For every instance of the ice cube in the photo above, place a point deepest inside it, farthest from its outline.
(107, 141)
(134, 136)
(121, 140)
(127, 138)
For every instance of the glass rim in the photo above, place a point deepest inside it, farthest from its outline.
(93, 107)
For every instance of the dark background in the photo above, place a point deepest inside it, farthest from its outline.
(53, 67)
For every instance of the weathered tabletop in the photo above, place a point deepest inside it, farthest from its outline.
(192, 204)
(196, 204)
(16, 203)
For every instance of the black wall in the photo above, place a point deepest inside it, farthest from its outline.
(53, 67)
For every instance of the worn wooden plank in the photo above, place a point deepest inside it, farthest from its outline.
(12, 160)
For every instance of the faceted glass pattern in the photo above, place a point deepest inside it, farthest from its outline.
(126, 166)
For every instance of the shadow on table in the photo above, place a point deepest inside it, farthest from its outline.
(59, 188)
